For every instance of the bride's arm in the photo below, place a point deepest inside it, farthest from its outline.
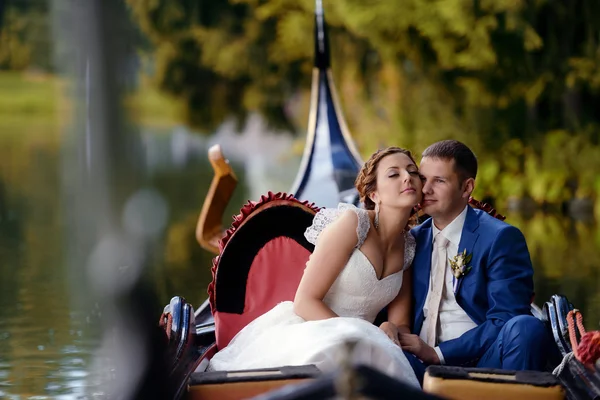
(399, 310)
(332, 251)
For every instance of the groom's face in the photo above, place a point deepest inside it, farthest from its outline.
(443, 193)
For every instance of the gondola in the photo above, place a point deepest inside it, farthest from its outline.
(270, 229)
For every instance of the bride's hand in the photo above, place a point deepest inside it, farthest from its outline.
(391, 330)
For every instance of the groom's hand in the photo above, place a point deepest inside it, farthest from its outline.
(415, 345)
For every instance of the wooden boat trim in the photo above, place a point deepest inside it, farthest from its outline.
(209, 229)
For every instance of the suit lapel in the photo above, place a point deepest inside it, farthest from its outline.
(468, 237)
(423, 268)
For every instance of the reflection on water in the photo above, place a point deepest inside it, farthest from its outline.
(46, 341)
(566, 258)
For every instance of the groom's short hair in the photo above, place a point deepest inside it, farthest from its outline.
(465, 161)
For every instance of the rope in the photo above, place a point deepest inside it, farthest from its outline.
(580, 323)
(587, 351)
(559, 369)
(572, 333)
(575, 317)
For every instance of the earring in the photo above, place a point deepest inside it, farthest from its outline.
(376, 220)
(416, 209)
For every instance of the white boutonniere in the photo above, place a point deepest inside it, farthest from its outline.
(459, 264)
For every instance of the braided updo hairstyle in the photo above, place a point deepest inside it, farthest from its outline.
(366, 181)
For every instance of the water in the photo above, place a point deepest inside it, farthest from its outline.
(48, 338)
(45, 341)
(49, 332)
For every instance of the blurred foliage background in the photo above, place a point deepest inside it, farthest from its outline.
(516, 80)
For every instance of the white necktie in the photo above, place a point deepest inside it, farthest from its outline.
(437, 288)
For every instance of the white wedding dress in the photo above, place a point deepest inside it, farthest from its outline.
(280, 337)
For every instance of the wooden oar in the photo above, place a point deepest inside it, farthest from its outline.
(209, 229)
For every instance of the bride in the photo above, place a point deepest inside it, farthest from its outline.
(360, 261)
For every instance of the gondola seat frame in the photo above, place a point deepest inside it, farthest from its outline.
(260, 263)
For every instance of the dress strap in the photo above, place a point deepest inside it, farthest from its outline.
(327, 215)
(410, 246)
(364, 224)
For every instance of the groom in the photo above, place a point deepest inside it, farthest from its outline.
(472, 277)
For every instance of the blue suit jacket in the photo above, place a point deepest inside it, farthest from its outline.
(499, 285)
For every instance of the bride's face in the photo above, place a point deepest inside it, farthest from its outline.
(398, 182)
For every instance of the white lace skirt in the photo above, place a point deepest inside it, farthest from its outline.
(281, 338)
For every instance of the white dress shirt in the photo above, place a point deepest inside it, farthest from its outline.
(453, 320)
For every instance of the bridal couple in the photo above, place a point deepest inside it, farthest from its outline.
(457, 288)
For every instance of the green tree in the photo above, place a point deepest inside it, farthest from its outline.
(25, 35)
(497, 74)
(222, 58)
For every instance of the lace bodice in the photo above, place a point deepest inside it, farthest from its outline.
(357, 292)
(328, 215)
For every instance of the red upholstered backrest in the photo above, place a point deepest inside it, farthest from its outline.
(262, 260)
(269, 282)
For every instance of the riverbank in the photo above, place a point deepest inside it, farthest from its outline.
(44, 99)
